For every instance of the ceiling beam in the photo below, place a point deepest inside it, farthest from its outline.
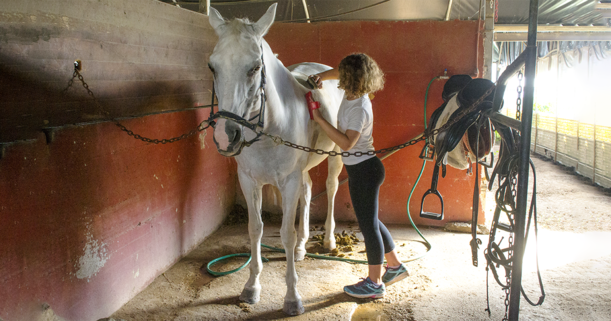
(553, 33)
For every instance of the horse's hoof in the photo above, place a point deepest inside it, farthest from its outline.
(300, 254)
(293, 307)
(329, 245)
(250, 296)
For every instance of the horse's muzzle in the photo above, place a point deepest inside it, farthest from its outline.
(232, 151)
(228, 139)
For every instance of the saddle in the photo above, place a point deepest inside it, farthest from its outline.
(477, 140)
(474, 131)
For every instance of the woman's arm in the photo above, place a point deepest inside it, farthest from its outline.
(325, 75)
(344, 141)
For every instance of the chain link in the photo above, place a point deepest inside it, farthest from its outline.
(496, 10)
(519, 99)
(279, 141)
(511, 216)
(201, 127)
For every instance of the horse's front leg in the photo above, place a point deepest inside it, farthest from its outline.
(335, 166)
(291, 189)
(304, 217)
(252, 192)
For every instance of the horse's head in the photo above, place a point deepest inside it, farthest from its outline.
(237, 65)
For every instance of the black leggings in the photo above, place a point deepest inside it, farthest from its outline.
(365, 179)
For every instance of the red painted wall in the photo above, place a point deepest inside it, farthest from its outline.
(410, 54)
(91, 219)
(96, 197)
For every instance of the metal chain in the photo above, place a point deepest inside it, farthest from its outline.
(513, 176)
(519, 99)
(496, 11)
(201, 127)
(279, 141)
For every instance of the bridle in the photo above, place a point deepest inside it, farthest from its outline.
(241, 120)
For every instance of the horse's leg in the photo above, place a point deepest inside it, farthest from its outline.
(252, 193)
(335, 166)
(304, 217)
(291, 189)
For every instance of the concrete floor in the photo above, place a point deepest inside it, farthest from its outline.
(444, 285)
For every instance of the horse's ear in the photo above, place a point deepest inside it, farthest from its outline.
(215, 19)
(266, 21)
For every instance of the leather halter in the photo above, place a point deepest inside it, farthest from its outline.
(241, 120)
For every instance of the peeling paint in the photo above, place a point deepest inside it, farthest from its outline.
(93, 259)
(202, 139)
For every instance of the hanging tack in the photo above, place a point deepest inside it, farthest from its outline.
(78, 65)
(49, 135)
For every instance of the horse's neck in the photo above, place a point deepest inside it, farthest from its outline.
(280, 90)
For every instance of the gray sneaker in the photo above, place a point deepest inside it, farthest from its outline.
(365, 289)
(395, 275)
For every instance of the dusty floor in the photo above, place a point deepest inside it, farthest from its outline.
(575, 225)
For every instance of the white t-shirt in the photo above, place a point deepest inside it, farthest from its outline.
(357, 115)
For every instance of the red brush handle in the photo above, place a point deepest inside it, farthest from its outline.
(312, 104)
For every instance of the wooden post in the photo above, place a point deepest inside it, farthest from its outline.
(557, 80)
(536, 131)
(594, 161)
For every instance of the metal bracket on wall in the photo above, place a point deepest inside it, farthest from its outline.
(49, 135)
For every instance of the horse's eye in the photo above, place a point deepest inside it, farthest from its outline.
(253, 71)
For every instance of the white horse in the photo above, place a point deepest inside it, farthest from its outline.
(239, 61)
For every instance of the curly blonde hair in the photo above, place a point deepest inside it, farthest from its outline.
(359, 74)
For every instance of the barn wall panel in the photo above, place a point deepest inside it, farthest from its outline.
(411, 54)
(90, 219)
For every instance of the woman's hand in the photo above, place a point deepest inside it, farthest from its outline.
(317, 115)
(316, 79)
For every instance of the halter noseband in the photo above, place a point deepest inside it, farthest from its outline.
(241, 120)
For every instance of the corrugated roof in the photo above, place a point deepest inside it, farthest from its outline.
(567, 12)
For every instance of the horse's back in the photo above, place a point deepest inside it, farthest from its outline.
(307, 68)
(329, 97)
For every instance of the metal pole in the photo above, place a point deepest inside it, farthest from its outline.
(522, 193)
(204, 7)
(449, 10)
(305, 8)
(488, 38)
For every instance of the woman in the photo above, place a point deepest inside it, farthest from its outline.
(358, 76)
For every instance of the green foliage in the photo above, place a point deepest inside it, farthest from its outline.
(544, 108)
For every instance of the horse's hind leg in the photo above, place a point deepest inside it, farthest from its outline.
(252, 192)
(304, 217)
(291, 189)
(335, 167)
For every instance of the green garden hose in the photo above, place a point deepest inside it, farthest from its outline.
(428, 245)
